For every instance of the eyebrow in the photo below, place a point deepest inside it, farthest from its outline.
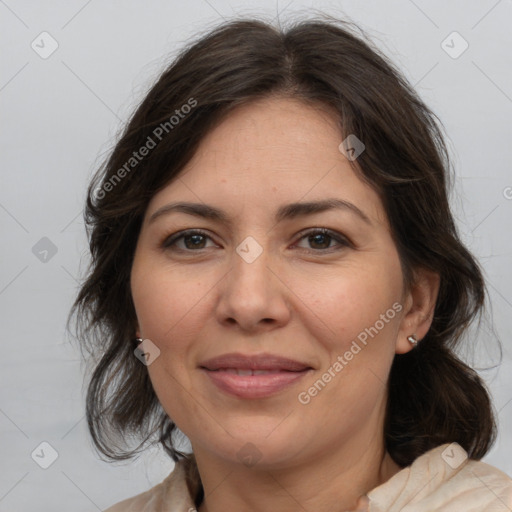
(285, 212)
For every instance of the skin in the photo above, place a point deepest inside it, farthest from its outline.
(305, 297)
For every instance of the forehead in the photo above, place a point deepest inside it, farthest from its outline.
(275, 151)
(281, 132)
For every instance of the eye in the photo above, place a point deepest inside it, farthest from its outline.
(320, 239)
(190, 240)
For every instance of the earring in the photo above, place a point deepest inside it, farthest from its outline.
(137, 341)
(412, 339)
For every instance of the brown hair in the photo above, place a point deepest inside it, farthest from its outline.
(433, 396)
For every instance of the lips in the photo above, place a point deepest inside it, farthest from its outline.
(238, 371)
(256, 363)
(253, 377)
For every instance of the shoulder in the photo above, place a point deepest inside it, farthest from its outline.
(171, 495)
(444, 479)
(149, 501)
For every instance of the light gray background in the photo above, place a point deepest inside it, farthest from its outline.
(60, 116)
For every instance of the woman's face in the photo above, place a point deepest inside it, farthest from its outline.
(262, 278)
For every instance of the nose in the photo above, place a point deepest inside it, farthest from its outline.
(253, 296)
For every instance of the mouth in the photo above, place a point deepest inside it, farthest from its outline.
(243, 372)
(236, 362)
(253, 377)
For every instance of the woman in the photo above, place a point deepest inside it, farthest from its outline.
(277, 274)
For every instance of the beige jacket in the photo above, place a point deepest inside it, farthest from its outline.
(442, 479)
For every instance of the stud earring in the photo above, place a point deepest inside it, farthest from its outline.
(137, 341)
(412, 339)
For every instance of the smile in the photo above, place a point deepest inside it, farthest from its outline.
(253, 384)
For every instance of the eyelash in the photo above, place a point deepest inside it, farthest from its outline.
(343, 242)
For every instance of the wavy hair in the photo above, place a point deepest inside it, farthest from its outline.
(433, 397)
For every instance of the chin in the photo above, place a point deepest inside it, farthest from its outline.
(259, 450)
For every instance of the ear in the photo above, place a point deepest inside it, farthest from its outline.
(419, 304)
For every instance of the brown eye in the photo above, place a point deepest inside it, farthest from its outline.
(187, 241)
(322, 240)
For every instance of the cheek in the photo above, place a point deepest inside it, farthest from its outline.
(171, 309)
(362, 312)
(167, 301)
(354, 302)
